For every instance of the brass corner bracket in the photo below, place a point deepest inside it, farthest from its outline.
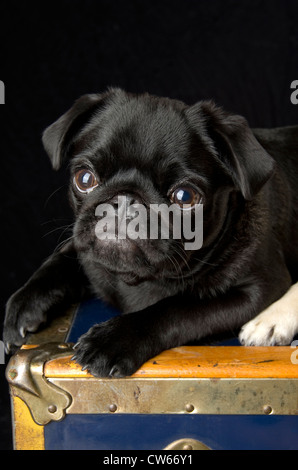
(25, 374)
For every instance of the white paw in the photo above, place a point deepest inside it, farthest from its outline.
(277, 325)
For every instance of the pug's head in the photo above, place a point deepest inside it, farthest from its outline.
(129, 153)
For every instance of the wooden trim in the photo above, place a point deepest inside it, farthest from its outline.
(203, 362)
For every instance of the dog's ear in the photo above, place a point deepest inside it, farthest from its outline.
(234, 144)
(58, 137)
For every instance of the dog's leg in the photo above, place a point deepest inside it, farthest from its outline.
(277, 325)
(59, 281)
(121, 345)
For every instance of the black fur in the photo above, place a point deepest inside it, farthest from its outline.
(147, 146)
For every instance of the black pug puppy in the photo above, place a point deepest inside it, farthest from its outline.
(158, 150)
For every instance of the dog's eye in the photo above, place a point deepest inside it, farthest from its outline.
(185, 197)
(85, 180)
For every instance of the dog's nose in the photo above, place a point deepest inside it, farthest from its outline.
(124, 205)
(121, 200)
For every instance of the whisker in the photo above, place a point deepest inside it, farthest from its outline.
(177, 268)
(61, 244)
(63, 227)
(181, 253)
(52, 194)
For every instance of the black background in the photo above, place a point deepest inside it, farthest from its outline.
(241, 53)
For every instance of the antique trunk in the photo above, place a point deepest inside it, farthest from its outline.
(191, 397)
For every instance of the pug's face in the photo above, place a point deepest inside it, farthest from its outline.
(129, 154)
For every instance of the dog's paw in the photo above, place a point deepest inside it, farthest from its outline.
(25, 312)
(275, 326)
(111, 349)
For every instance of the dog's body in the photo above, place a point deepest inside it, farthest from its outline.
(153, 150)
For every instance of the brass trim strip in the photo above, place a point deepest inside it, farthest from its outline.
(188, 396)
(27, 435)
(57, 330)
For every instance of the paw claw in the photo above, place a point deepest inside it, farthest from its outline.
(23, 331)
(114, 371)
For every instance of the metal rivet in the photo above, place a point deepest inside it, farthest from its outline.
(62, 329)
(267, 409)
(13, 373)
(189, 407)
(52, 408)
(113, 408)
